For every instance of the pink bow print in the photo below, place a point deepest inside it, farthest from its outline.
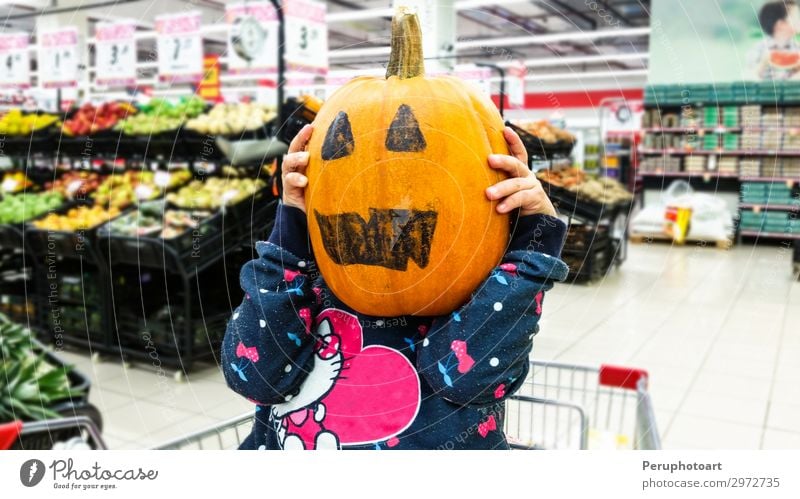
(289, 275)
(500, 391)
(249, 352)
(465, 362)
(538, 299)
(487, 426)
(510, 268)
(305, 314)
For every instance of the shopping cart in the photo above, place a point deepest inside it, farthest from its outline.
(560, 406)
(78, 432)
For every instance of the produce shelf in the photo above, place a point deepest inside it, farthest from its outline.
(721, 152)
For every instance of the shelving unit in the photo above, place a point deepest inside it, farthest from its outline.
(725, 137)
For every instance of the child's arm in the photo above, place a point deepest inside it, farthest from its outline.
(479, 354)
(268, 348)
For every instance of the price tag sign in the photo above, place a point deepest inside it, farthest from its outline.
(58, 58)
(115, 54)
(180, 48)
(253, 38)
(14, 61)
(306, 36)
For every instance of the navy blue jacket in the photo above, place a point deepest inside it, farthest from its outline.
(323, 376)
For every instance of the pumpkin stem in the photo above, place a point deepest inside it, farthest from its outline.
(405, 59)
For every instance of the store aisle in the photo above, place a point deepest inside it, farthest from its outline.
(717, 330)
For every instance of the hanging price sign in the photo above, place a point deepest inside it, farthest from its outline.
(14, 61)
(253, 38)
(515, 84)
(115, 54)
(58, 58)
(180, 47)
(306, 36)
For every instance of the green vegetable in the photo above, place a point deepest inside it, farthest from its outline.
(26, 206)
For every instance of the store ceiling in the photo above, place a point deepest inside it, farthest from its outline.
(483, 21)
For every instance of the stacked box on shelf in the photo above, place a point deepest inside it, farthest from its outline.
(728, 164)
(774, 193)
(772, 118)
(771, 167)
(771, 140)
(694, 164)
(730, 141)
(791, 167)
(750, 168)
(791, 91)
(791, 141)
(768, 93)
(710, 142)
(656, 164)
(670, 120)
(689, 118)
(750, 116)
(750, 140)
(791, 117)
(710, 116)
(730, 116)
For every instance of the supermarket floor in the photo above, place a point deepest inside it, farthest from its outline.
(718, 331)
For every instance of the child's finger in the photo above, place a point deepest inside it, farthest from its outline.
(516, 200)
(509, 186)
(298, 180)
(301, 139)
(509, 164)
(515, 145)
(295, 162)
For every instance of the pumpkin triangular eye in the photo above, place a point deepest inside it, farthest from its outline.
(404, 133)
(339, 138)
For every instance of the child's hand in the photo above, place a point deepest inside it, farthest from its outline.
(294, 168)
(523, 190)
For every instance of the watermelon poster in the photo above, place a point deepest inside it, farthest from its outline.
(724, 41)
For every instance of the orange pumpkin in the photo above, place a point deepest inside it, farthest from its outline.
(397, 214)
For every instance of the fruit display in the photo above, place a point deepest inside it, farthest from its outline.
(389, 241)
(153, 222)
(546, 132)
(89, 119)
(601, 190)
(232, 119)
(75, 184)
(80, 218)
(215, 192)
(15, 122)
(15, 182)
(161, 116)
(121, 190)
(22, 207)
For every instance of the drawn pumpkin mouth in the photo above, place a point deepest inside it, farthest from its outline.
(389, 238)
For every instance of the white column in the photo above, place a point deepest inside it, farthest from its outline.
(438, 22)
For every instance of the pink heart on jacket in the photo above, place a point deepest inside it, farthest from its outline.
(377, 393)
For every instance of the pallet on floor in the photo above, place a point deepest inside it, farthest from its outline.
(640, 238)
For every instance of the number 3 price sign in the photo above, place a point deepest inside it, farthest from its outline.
(58, 58)
(115, 54)
(180, 48)
(306, 36)
(14, 61)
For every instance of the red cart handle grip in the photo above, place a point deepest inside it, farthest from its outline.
(621, 377)
(9, 432)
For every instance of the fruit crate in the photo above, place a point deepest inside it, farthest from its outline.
(710, 116)
(186, 252)
(589, 266)
(182, 319)
(70, 305)
(248, 218)
(78, 245)
(540, 150)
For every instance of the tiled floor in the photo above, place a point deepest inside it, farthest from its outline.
(719, 332)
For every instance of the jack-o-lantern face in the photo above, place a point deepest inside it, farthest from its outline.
(396, 207)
